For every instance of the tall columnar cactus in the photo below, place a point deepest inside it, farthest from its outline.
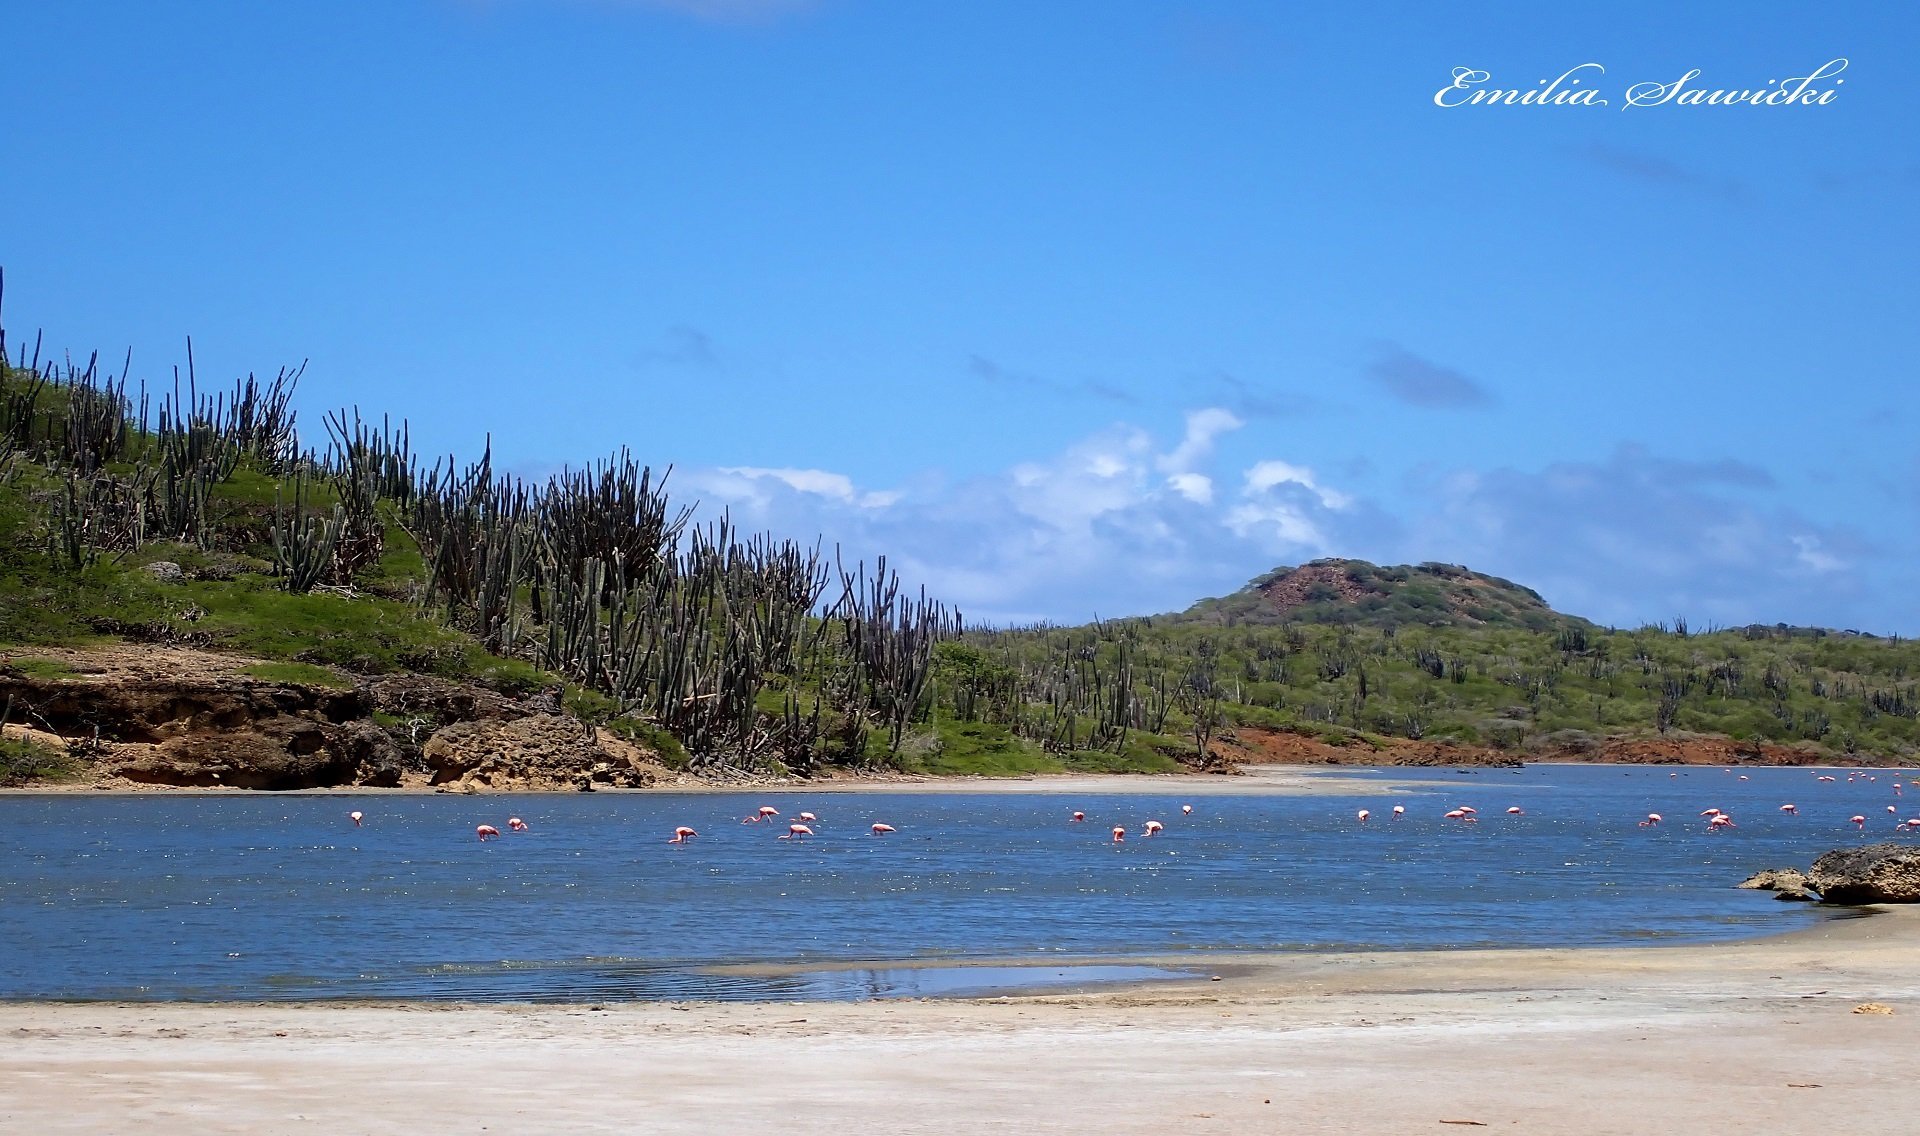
(303, 542)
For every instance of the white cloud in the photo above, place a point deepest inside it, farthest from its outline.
(1118, 523)
(1635, 537)
(1195, 487)
(1268, 474)
(1285, 523)
(1203, 426)
(743, 483)
(1814, 558)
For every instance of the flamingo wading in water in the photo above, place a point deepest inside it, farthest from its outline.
(354, 816)
(797, 831)
(486, 832)
(683, 835)
(882, 829)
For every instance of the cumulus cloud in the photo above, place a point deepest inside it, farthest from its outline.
(1126, 520)
(1636, 537)
(1422, 382)
(1117, 522)
(749, 484)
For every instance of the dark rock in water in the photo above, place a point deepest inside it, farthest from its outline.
(1876, 873)
(1776, 879)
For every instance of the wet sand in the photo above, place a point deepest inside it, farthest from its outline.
(1757, 1036)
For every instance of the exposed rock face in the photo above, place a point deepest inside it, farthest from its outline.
(201, 723)
(156, 710)
(274, 753)
(1876, 873)
(541, 751)
(1775, 879)
(439, 702)
(1785, 884)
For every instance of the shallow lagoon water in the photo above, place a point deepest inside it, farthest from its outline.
(281, 897)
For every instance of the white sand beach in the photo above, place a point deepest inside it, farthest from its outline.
(1758, 1036)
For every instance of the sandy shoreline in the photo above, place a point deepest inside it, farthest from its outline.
(1254, 781)
(1760, 1033)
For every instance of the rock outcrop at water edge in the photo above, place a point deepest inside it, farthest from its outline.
(1784, 883)
(1887, 872)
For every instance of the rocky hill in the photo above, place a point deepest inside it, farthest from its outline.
(1402, 595)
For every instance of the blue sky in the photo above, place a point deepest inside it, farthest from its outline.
(1067, 307)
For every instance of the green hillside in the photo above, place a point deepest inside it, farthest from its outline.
(209, 520)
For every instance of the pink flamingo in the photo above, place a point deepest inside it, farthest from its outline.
(1709, 812)
(1719, 822)
(1857, 821)
(1652, 819)
(797, 832)
(1077, 818)
(1891, 809)
(683, 835)
(766, 812)
(1790, 810)
(1468, 809)
(486, 832)
(1362, 816)
(1187, 810)
(807, 818)
(1910, 822)
(1399, 811)
(1154, 827)
(882, 829)
(1457, 814)
(1119, 835)
(1515, 810)
(515, 824)
(354, 816)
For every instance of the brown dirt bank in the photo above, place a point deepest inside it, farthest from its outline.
(179, 718)
(142, 716)
(1255, 745)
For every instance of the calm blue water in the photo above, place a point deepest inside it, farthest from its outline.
(275, 897)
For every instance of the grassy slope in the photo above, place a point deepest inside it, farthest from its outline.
(314, 637)
(1515, 687)
(1511, 673)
